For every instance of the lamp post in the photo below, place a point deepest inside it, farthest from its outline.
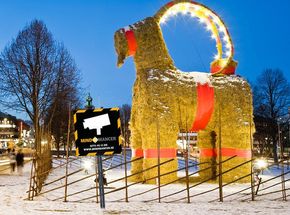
(89, 100)
(99, 161)
(282, 163)
(279, 139)
(265, 146)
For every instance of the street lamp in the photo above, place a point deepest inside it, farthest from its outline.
(261, 163)
(279, 139)
(89, 100)
(87, 165)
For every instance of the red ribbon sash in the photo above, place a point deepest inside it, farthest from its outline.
(205, 107)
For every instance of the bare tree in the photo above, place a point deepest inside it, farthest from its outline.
(271, 101)
(125, 112)
(32, 74)
(65, 94)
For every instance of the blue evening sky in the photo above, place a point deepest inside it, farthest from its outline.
(260, 30)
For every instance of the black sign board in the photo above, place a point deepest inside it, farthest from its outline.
(97, 131)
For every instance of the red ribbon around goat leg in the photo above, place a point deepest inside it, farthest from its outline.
(225, 152)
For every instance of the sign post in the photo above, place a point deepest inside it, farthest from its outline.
(98, 133)
(101, 181)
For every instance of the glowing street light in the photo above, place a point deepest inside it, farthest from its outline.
(261, 164)
(87, 164)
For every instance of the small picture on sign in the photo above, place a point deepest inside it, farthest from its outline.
(97, 132)
(97, 122)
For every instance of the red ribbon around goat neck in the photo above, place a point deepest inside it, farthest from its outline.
(205, 107)
(131, 40)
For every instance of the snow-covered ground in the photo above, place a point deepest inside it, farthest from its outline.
(13, 189)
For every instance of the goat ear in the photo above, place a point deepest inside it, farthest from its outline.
(121, 46)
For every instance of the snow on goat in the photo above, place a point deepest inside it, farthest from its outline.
(167, 101)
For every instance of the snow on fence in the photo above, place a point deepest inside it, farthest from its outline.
(40, 168)
(77, 184)
(259, 183)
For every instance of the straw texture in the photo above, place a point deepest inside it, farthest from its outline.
(165, 102)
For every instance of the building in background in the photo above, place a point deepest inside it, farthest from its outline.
(14, 132)
(187, 141)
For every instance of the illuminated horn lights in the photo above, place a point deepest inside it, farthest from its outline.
(223, 61)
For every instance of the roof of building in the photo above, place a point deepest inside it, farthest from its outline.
(6, 115)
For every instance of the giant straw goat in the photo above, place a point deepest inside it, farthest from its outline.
(165, 102)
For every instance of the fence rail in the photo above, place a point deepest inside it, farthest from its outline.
(116, 162)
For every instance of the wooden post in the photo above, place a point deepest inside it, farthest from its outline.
(282, 165)
(186, 158)
(158, 162)
(37, 174)
(30, 191)
(34, 178)
(67, 155)
(186, 168)
(252, 166)
(220, 156)
(288, 157)
(126, 177)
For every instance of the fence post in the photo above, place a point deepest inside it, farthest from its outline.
(126, 177)
(66, 177)
(31, 183)
(220, 156)
(35, 177)
(252, 166)
(36, 174)
(158, 161)
(186, 166)
(282, 164)
(67, 154)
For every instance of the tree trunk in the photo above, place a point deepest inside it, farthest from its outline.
(37, 135)
(57, 148)
(275, 155)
